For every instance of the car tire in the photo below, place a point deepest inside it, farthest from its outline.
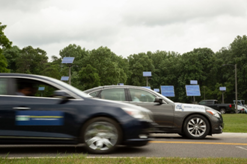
(196, 127)
(182, 135)
(222, 110)
(101, 135)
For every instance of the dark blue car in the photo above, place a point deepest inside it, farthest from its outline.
(38, 109)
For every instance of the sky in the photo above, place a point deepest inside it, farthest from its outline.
(125, 26)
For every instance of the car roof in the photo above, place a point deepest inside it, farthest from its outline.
(115, 86)
(22, 75)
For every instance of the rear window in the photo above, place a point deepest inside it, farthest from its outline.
(3, 86)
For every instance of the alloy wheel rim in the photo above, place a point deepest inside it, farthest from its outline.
(101, 136)
(196, 127)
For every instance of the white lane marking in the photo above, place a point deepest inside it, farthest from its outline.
(241, 147)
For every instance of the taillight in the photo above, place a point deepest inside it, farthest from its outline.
(230, 105)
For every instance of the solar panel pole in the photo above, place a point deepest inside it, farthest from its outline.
(70, 75)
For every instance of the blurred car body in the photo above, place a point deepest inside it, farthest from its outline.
(192, 121)
(242, 109)
(55, 112)
(222, 108)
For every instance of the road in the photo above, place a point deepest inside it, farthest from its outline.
(163, 145)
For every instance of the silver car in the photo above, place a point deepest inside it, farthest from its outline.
(188, 120)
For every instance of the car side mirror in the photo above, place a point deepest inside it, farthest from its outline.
(159, 100)
(62, 94)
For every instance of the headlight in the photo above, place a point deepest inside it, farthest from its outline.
(137, 114)
(214, 113)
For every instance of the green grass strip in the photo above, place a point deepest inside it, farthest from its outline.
(235, 123)
(78, 159)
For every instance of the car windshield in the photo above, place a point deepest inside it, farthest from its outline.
(69, 87)
(160, 95)
(166, 99)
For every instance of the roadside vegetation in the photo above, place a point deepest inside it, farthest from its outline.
(235, 123)
(101, 66)
(143, 160)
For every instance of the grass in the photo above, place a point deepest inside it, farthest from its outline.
(143, 160)
(235, 123)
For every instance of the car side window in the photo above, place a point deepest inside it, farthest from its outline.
(202, 103)
(138, 95)
(117, 94)
(94, 94)
(3, 86)
(27, 87)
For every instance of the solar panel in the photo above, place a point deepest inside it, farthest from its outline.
(41, 88)
(193, 90)
(193, 81)
(148, 87)
(65, 78)
(167, 90)
(146, 74)
(222, 88)
(68, 60)
(156, 89)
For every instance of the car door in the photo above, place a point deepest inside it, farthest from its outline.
(163, 113)
(38, 116)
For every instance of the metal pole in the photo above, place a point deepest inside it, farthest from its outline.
(236, 90)
(204, 92)
(69, 75)
(147, 81)
(222, 97)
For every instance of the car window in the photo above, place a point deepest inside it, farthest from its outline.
(27, 87)
(202, 102)
(138, 95)
(210, 102)
(94, 94)
(116, 94)
(3, 86)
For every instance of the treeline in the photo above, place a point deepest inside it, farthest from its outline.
(101, 66)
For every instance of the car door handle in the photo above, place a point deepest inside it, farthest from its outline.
(21, 108)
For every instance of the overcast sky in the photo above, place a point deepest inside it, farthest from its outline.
(125, 26)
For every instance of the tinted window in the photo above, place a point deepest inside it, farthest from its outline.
(94, 94)
(26, 87)
(141, 96)
(202, 102)
(210, 102)
(116, 94)
(3, 86)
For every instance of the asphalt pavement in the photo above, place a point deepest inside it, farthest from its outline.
(162, 145)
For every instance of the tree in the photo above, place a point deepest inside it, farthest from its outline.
(11, 54)
(88, 77)
(4, 43)
(31, 61)
(107, 65)
(138, 63)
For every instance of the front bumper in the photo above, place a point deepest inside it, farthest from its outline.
(217, 125)
(139, 135)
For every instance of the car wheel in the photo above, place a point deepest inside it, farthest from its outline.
(222, 111)
(101, 135)
(196, 127)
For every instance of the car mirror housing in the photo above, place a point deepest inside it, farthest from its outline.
(159, 100)
(62, 94)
